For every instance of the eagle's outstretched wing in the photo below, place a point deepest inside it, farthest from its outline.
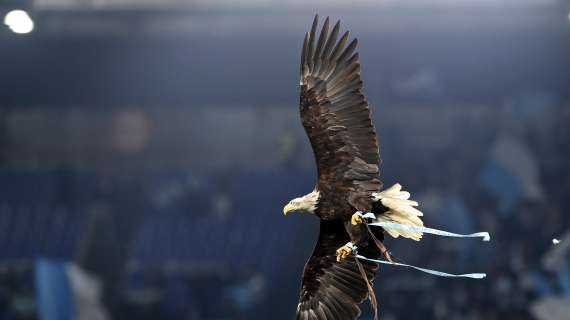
(332, 290)
(336, 117)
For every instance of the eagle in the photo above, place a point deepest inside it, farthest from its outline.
(336, 117)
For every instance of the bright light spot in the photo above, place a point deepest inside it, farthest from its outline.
(19, 21)
(555, 241)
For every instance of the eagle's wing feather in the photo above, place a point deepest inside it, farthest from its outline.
(337, 120)
(332, 290)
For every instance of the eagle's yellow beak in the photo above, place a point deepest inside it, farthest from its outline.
(288, 208)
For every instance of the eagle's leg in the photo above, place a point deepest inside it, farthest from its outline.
(345, 250)
(356, 218)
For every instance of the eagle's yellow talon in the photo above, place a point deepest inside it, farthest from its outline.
(356, 219)
(343, 252)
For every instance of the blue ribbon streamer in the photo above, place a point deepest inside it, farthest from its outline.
(411, 228)
(407, 227)
(432, 272)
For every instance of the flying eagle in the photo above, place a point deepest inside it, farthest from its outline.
(336, 117)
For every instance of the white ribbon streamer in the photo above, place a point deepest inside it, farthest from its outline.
(407, 227)
(368, 215)
(432, 272)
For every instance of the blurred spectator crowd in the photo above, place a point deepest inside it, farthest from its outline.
(213, 244)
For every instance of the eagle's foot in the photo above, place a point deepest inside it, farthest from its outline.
(356, 218)
(344, 251)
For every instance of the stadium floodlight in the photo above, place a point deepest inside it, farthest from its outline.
(19, 21)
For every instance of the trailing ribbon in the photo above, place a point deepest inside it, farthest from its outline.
(433, 272)
(407, 227)
(371, 294)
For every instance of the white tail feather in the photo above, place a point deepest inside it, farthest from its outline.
(401, 210)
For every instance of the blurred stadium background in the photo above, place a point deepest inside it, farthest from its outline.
(148, 146)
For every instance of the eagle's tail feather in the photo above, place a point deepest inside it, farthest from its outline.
(400, 210)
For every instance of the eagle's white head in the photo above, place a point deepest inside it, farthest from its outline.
(307, 204)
